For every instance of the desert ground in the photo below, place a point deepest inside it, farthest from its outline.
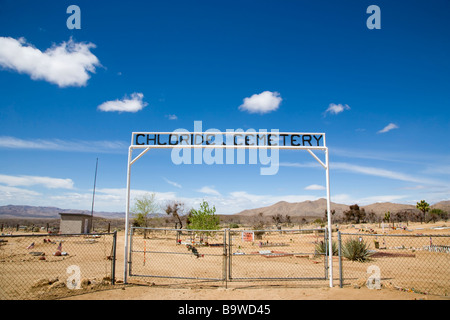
(248, 261)
(353, 289)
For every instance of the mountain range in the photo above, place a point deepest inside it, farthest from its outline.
(318, 207)
(293, 209)
(19, 211)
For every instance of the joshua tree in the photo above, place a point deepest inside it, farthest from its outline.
(326, 215)
(424, 207)
(355, 214)
(387, 217)
(175, 209)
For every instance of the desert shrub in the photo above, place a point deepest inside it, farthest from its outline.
(356, 250)
(203, 219)
(321, 247)
(319, 222)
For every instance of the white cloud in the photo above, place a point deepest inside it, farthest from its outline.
(242, 200)
(63, 145)
(336, 108)
(380, 198)
(380, 172)
(315, 187)
(11, 195)
(209, 190)
(172, 116)
(14, 192)
(51, 183)
(113, 199)
(438, 169)
(67, 64)
(389, 127)
(418, 187)
(347, 199)
(133, 104)
(173, 183)
(300, 165)
(264, 102)
(372, 171)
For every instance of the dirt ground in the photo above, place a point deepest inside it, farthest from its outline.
(252, 293)
(16, 256)
(274, 290)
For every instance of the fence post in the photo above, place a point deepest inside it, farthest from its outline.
(113, 266)
(225, 256)
(340, 259)
(130, 250)
(230, 253)
(326, 252)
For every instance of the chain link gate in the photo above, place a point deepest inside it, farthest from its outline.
(178, 253)
(228, 255)
(277, 254)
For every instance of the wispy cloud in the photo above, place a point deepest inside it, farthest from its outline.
(48, 182)
(438, 169)
(379, 172)
(209, 190)
(172, 116)
(133, 104)
(173, 183)
(263, 102)
(348, 199)
(336, 108)
(389, 127)
(67, 64)
(315, 187)
(300, 164)
(372, 171)
(7, 142)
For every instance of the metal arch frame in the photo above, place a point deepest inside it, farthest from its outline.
(310, 149)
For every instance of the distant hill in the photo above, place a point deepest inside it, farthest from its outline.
(318, 207)
(294, 209)
(19, 211)
(443, 205)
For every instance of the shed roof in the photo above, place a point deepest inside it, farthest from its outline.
(75, 214)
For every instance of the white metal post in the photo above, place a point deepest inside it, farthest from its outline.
(330, 240)
(127, 212)
(146, 148)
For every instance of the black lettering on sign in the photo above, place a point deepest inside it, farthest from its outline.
(159, 142)
(170, 139)
(186, 138)
(151, 139)
(293, 141)
(318, 139)
(137, 139)
(306, 138)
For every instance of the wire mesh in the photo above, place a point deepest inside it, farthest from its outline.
(275, 254)
(55, 266)
(175, 253)
(416, 263)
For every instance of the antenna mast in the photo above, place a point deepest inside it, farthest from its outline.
(93, 194)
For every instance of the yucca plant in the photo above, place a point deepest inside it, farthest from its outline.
(321, 246)
(356, 250)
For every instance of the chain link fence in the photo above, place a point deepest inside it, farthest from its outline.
(178, 253)
(277, 254)
(55, 266)
(415, 263)
(228, 255)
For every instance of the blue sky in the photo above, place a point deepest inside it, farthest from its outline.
(69, 96)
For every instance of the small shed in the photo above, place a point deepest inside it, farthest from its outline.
(75, 223)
